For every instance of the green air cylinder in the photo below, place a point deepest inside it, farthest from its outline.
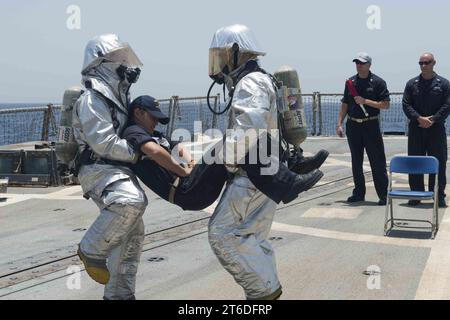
(66, 146)
(293, 114)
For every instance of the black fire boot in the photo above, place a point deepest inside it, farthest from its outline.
(302, 183)
(301, 165)
(285, 185)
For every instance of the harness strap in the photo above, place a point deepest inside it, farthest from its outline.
(173, 189)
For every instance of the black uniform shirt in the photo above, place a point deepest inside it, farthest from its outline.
(372, 88)
(154, 176)
(137, 136)
(427, 98)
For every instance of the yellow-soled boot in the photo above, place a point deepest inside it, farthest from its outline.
(96, 269)
(273, 296)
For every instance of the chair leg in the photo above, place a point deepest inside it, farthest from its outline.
(436, 207)
(386, 217)
(392, 215)
(435, 218)
(434, 225)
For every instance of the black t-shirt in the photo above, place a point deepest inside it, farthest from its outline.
(138, 136)
(372, 88)
(153, 175)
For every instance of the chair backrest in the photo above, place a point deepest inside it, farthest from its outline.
(414, 165)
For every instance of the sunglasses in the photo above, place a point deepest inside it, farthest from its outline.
(360, 62)
(422, 63)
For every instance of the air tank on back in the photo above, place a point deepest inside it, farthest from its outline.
(291, 106)
(66, 146)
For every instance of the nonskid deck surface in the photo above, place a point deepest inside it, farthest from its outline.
(325, 248)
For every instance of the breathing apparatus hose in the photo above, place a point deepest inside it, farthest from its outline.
(235, 49)
(209, 104)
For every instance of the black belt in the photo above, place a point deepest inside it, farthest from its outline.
(88, 157)
(358, 120)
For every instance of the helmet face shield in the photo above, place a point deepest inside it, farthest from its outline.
(218, 59)
(124, 55)
(223, 47)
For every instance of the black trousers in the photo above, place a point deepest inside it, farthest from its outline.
(431, 142)
(195, 192)
(367, 135)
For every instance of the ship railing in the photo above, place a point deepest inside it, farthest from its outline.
(192, 113)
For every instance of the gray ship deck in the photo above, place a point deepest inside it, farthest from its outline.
(324, 246)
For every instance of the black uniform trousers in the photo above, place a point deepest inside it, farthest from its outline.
(431, 142)
(367, 135)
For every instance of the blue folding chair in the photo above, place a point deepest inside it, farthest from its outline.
(412, 165)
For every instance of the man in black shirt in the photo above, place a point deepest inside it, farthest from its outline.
(363, 127)
(426, 103)
(162, 173)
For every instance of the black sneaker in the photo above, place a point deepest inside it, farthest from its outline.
(382, 202)
(354, 199)
(303, 182)
(442, 203)
(302, 165)
(413, 203)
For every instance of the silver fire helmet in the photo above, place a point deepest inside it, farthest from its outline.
(221, 49)
(108, 47)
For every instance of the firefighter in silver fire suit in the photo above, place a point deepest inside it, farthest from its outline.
(111, 247)
(241, 222)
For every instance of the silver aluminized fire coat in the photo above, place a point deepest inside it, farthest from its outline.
(240, 224)
(118, 232)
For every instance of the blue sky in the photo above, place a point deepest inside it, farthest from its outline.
(41, 57)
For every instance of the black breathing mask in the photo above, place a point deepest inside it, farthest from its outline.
(129, 74)
(220, 78)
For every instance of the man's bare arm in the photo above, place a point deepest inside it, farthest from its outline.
(341, 117)
(382, 105)
(184, 154)
(158, 154)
